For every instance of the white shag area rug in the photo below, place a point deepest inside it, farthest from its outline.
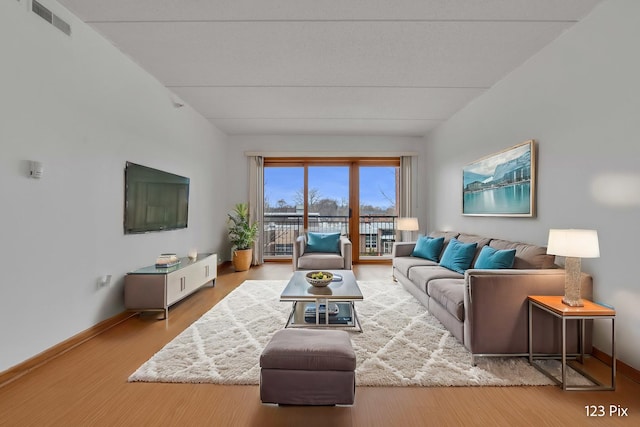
(402, 344)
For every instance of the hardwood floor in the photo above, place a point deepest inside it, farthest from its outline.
(87, 386)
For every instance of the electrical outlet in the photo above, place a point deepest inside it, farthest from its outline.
(104, 281)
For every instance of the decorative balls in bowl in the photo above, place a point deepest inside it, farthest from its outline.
(319, 278)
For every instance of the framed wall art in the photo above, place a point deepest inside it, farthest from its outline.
(501, 184)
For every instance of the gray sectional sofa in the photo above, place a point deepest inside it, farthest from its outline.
(487, 309)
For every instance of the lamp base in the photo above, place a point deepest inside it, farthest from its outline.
(572, 303)
(572, 282)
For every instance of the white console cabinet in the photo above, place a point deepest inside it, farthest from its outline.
(157, 288)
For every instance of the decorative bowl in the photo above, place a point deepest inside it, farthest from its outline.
(319, 279)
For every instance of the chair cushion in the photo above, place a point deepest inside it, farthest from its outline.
(458, 256)
(323, 242)
(321, 261)
(309, 350)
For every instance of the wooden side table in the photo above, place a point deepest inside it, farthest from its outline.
(590, 311)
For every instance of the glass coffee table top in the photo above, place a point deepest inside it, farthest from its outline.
(298, 289)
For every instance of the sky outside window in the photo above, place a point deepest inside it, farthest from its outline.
(282, 184)
(331, 182)
(377, 184)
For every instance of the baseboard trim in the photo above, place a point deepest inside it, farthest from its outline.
(51, 353)
(621, 367)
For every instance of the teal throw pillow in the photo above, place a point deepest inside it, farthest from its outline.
(491, 258)
(323, 242)
(458, 256)
(428, 248)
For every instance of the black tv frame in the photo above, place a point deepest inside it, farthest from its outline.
(154, 200)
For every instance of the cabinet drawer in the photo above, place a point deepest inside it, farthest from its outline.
(176, 286)
(206, 270)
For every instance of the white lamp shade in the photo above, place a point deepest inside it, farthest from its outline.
(573, 243)
(408, 224)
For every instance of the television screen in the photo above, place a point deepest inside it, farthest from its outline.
(154, 200)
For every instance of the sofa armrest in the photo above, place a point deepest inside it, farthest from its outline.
(497, 309)
(536, 277)
(345, 252)
(298, 249)
(402, 249)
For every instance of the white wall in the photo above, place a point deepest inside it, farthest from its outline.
(580, 99)
(83, 109)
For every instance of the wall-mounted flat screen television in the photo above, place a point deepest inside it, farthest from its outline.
(154, 200)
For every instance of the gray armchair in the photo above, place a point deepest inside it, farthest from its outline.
(321, 260)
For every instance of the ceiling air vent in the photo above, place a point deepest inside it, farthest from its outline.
(50, 17)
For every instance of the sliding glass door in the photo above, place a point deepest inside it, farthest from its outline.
(356, 197)
(378, 210)
(327, 201)
(283, 209)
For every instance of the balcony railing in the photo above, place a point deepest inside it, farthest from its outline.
(376, 233)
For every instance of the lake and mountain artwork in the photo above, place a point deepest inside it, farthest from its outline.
(502, 184)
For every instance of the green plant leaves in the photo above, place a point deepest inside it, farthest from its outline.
(242, 233)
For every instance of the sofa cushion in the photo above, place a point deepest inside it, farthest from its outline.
(428, 248)
(448, 235)
(405, 263)
(449, 293)
(474, 238)
(491, 258)
(458, 256)
(421, 276)
(323, 242)
(527, 256)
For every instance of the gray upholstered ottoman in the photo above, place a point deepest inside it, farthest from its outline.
(308, 367)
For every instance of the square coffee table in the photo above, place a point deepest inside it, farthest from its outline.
(339, 296)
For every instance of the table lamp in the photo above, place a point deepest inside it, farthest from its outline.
(574, 245)
(407, 224)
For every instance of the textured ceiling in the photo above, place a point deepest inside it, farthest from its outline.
(332, 67)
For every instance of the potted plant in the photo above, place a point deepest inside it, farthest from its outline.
(242, 235)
